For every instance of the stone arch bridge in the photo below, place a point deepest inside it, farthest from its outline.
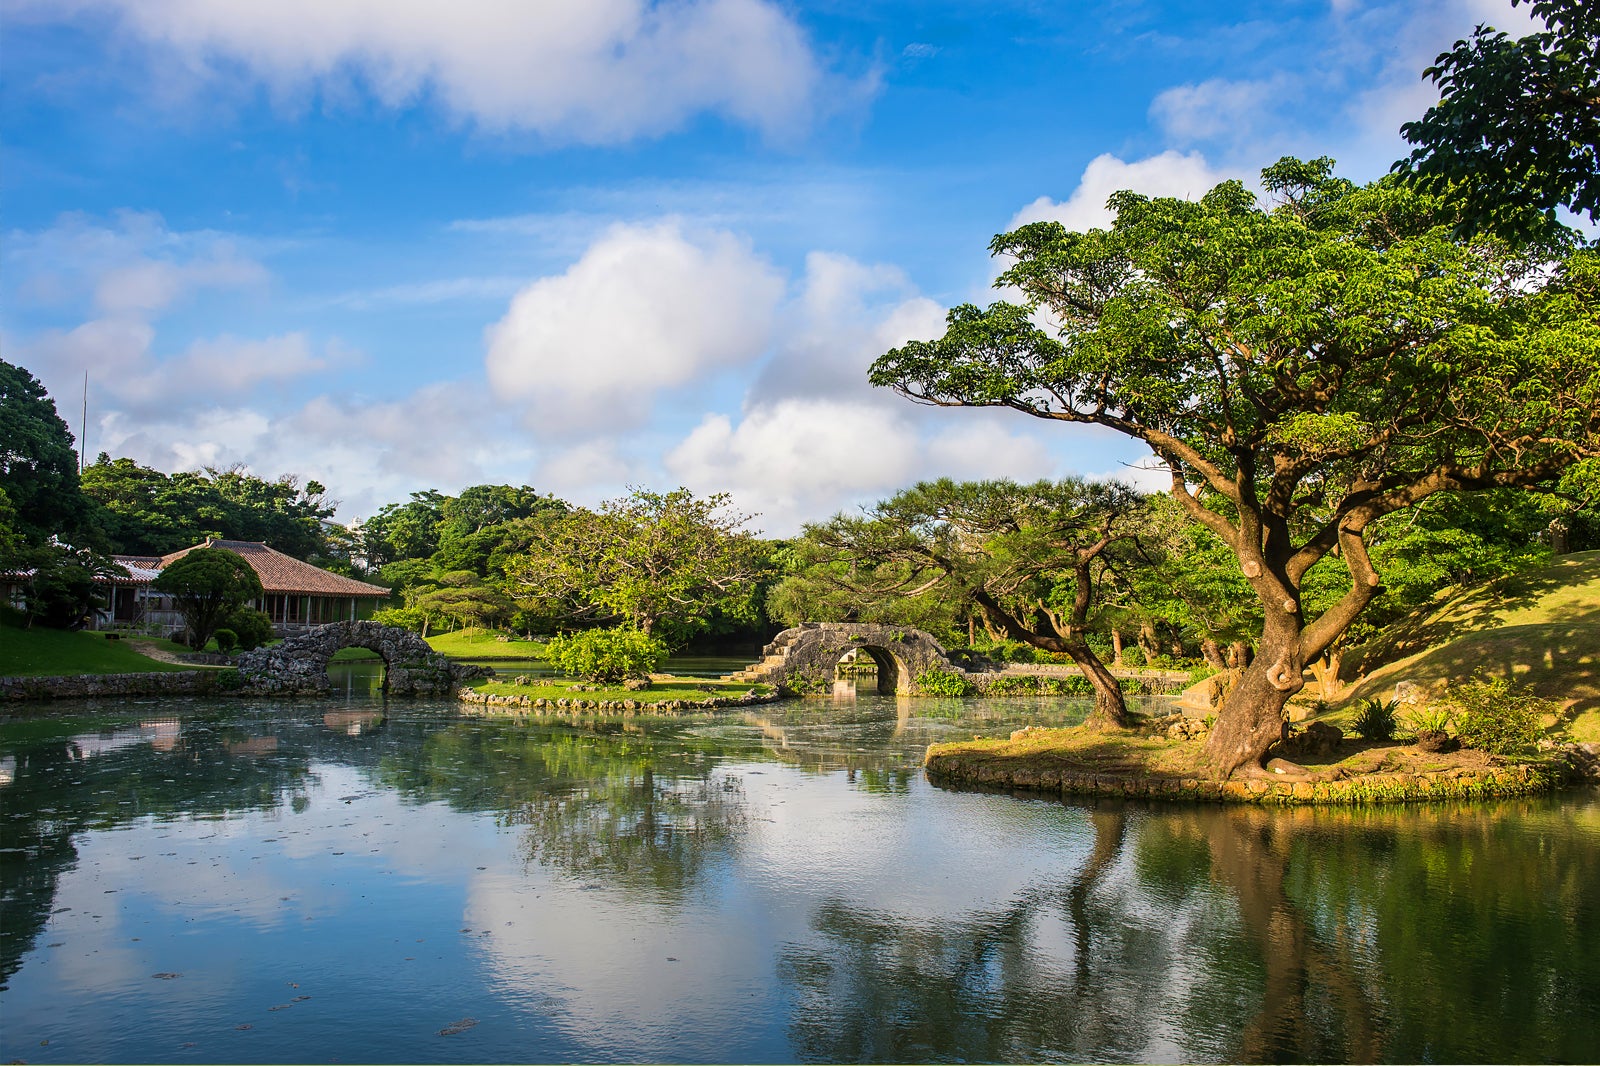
(805, 658)
(299, 666)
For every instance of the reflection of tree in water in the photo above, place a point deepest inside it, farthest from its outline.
(634, 827)
(638, 802)
(1249, 935)
(65, 784)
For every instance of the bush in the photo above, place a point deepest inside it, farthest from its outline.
(942, 683)
(401, 618)
(1497, 715)
(1375, 719)
(606, 656)
(1436, 719)
(1133, 657)
(226, 640)
(250, 627)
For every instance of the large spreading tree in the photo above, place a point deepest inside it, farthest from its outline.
(1301, 368)
(664, 563)
(1029, 557)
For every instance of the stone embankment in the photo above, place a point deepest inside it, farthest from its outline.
(97, 686)
(1457, 784)
(521, 705)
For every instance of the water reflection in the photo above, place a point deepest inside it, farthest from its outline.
(773, 885)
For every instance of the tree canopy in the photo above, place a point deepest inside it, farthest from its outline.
(1301, 368)
(1516, 132)
(38, 467)
(208, 584)
(1030, 558)
(142, 511)
(664, 563)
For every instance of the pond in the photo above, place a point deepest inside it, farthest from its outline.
(353, 881)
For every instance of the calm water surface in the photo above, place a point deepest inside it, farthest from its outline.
(357, 882)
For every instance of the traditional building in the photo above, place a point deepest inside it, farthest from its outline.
(295, 594)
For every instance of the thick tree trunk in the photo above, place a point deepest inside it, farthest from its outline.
(1116, 647)
(1326, 671)
(1110, 709)
(1211, 651)
(1251, 719)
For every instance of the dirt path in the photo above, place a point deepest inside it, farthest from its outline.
(161, 655)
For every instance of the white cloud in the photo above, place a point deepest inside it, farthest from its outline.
(1171, 173)
(797, 459)
(128, 264)
(1218, 108)
(646, 308)
(593, 71)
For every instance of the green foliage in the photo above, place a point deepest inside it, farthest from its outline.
(251, 628)
(38, 467)
(61, 591)
(1375, 719)
(1497, 715)
(1433, 718)
(142, 511)
(668, 564)
(226, 639)
(1029, 559)
(937, 682)
(606, 656)
(1515, 133)
(208, 584)
(411, 618)
(1302, 368)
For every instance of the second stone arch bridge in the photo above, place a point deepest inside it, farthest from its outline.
(806, 658)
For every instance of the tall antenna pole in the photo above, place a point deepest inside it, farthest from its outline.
(83, 428)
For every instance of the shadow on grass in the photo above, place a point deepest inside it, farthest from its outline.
(1558, 660)
(1493, 606)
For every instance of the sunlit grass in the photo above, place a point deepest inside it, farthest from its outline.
(476, 643)
(40, 652)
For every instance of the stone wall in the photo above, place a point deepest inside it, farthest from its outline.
(91, 686)
(299, 666)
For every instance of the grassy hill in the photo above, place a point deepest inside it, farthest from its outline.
(1541, 628)
(40, 652)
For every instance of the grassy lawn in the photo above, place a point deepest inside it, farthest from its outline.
(484, 644)
(40, 652)
(1541, 628)
(675, 688)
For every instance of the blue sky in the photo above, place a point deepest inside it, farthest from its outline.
(586, 244)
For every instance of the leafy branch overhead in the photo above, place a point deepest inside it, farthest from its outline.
(1516, 132)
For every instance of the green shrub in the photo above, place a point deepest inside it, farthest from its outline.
(606, 656)
(251, 628)
(1432, 719)
(411, 618)
(1133, 657)
(1496, 715)
(938, 682)
(226, 640)
(1375, 719)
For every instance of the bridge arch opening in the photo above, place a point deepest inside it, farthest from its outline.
(890, 674)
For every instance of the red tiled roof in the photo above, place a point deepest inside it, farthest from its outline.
(284, 573)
